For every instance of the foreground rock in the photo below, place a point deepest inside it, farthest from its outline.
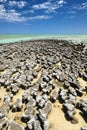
(83, 128)
(14, 126)
(3, 122)
(36, 74)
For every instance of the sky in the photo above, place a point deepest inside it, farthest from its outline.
(43, 16)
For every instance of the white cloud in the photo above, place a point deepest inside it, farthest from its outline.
(13, 16)
(71, 12)
(42, 6)
(40, 17)
(10, 15)
(2, 12)
(61, 2)
(19, 4)
(3, 1)
(28, 11)
(81, 6)
(49, 6)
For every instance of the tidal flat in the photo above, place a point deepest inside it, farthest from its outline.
(43, 85)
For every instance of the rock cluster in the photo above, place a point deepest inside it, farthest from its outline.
(82, 104)
(35, 67)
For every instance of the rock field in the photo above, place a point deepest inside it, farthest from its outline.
(38, 78)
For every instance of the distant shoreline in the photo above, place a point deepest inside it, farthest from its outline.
(18, 38)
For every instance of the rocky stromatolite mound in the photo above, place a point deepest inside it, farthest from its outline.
(34, 75)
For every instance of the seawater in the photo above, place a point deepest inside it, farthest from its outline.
(11, 38)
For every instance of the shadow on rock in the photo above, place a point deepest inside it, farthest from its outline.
(84, 116)
(65, 114)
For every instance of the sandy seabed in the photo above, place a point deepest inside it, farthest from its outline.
(43, 85)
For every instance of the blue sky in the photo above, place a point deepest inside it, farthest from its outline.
(43, 16)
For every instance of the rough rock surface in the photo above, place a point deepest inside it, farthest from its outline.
(14, 126)
(36, 74)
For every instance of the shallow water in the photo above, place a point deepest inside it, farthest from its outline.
(8, 38)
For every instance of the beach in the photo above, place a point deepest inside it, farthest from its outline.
(43, 85)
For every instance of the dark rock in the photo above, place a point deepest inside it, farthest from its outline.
(41, 104)
(27, 94)
(71, 97)
(66, 84)
(31, 102)
(3, 122)
(72, 91)
(30, 78)
(43, 113)
(85, 109)
(7, 98)
(46, 79)
(70, 114)
(30, 123)
(62, 94)
(35, 87)
(75, 85)
(38, 98)
(8, 82)
(55, 75)
(2, 81)
(18, 65)
(4, 109)
(37, 125)
(34, 74)
(82, 104)
(46, 125)
(71, 101)
(17, 105)
(85, 77)
(14, 126)
(31, 91)
(79, 91)
(22, 81)
(45, 97)
(35, 94)
(51, 84)
(14, 88)
(75, 120)
(69, 107)
(27, 113)
(42, 85)
(54, 95)
(83, 128)
(46, 90)
(2, 115)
